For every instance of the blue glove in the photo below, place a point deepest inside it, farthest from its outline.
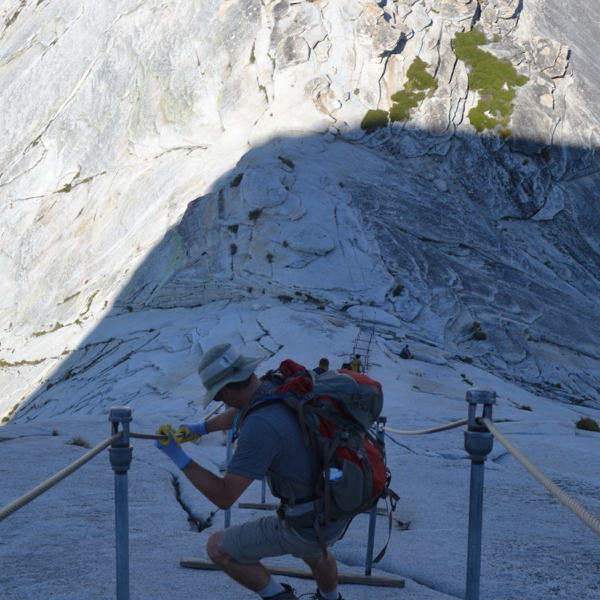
(188, 432)
(171, 447)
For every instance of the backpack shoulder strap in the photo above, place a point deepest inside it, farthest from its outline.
(251, 407)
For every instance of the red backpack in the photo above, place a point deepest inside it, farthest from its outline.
(336, 410)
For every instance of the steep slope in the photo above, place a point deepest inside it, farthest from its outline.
(159, 156)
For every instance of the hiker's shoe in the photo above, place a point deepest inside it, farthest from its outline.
(287, 594)
(318, 596)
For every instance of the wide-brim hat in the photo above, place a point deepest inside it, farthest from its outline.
(223, 364)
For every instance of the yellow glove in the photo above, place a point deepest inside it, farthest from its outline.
(170, 446)
(164, 430)
(188, 432)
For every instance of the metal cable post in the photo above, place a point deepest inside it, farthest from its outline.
(120, 458)
(380, 434)
(478, 443)
(229, 452)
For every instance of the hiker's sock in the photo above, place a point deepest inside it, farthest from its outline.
(332, 595)
(272, 589)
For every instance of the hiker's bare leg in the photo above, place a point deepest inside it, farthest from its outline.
(255, 577)
(324, 570)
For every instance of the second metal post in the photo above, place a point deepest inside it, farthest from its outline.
(120, 458)
(380, 433)
(478, 443)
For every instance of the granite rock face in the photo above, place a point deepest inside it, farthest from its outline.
(163, 157)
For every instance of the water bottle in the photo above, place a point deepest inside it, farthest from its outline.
(335, 474)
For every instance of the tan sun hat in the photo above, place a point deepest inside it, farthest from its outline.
(223, 364)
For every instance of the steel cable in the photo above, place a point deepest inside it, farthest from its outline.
(563, 497)
(432, 430)
(151, 436)
(14, 506)
(43, 487)
(580, 512)
(147, 436)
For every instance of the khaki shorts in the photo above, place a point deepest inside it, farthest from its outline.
(270, 536)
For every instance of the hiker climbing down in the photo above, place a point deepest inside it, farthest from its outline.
(356, 364)
(270, 443)
(323, 366)
(405, 352)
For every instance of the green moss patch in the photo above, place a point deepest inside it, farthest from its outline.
(374, 119)
(588, 424)
(496, 81)
(418, 85)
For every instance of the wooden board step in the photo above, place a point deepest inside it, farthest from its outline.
(352, 578)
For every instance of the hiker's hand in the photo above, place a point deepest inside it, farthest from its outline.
(163, 431)
(188, 432)
(171, 447)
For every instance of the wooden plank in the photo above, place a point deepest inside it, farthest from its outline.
(352, 578)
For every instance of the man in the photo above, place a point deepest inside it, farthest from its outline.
(356, 363)
(405, 352)
(270, 439)
(323, 366)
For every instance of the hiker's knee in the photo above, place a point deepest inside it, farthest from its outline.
(215, 547)
(316, 562)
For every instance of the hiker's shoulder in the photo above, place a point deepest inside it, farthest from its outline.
(266, 401)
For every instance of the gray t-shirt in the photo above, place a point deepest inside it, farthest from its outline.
(271, 439)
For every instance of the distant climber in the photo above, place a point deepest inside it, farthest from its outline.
(405, 352)
(323, 366)
(356, 364)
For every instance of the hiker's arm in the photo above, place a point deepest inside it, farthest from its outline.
(188, 432)
(221, 491)
(222, 422)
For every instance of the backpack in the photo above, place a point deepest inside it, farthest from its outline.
(336, 410)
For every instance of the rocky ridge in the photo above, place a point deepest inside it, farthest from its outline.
(160, 157)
